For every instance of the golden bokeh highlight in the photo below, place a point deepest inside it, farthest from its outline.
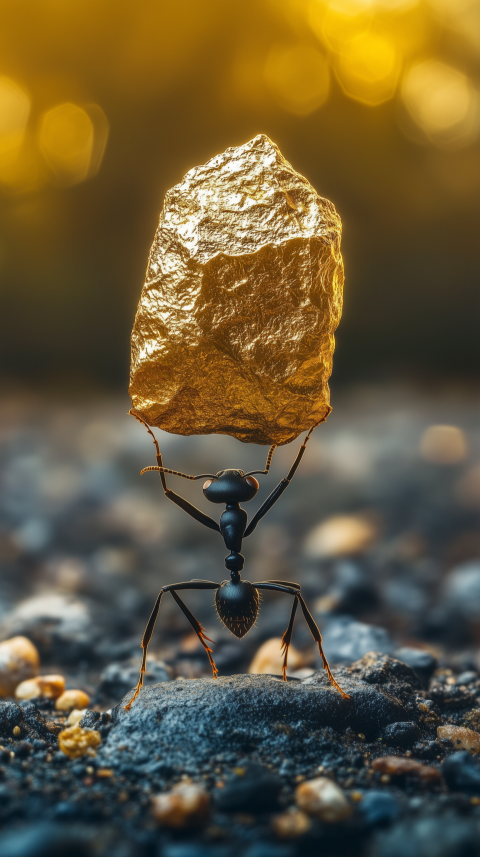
(443, 103)
(72, 141)
(368, 69)
(298, 77)
(338, 22)
(18, 162)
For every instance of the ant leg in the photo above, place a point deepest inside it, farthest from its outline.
(315, 632)
(283, 484)
(147, 636)
(200, 632)
(312, 625)
(287, 638)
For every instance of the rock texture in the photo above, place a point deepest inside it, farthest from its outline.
(243, 293)
(187, 721)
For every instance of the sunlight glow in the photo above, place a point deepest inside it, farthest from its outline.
(368, 69)
(443, 102)
(298, 78)
(72, 141)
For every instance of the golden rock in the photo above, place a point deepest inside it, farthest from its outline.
(234, 332)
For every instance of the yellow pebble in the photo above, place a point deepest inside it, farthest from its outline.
(463, 738)
(47, 686)
(269, 658)
(19, 660)
(76, 742)
(291, 824)
(71, 699)
(186, 806)
(17, 731)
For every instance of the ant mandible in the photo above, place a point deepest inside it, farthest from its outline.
(236, 600)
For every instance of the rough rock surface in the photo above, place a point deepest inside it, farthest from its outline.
(243, 293)
(186, 721)
(26, 718)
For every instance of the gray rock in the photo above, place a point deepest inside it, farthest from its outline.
(379, 808)
(462, 590)
(462, 773)
(186, 722)
(401, 734)
(117, 678)
(424, 663)
(251, 788)
(429, 837)
(345, 640)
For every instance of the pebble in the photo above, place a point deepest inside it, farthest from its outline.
(473, 719)
(431, 835)
(345, 640)
(322, 799)
(403, 734)
(251, 788)
(461, 593)
(19, 660)
(269, 658)
(467, 677)
(291, 824)
(46, 686)
(72, 699)
(119, 678)
(75, 716)
(379, 808)
(424, 663)
(462, 738)
(60, 625)
(76, 742)
(462, 773)
(341, 535)
(399, 766)
(443, 444)
(187, 805)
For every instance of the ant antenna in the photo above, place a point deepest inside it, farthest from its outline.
(274, 446)
(268, 462)
(177, 473)
(161, 468)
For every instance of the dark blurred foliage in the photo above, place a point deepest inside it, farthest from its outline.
(390, 135)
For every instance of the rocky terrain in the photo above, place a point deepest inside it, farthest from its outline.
(381, 528)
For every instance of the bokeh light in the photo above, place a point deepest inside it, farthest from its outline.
(72, 141)
(443, 102)
(338, 22)
(17, 166)
(368, 69)
(298, 77)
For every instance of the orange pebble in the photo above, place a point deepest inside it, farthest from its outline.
(48, 686)
(71, 699)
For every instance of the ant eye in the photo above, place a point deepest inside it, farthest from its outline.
(252, 482)
(207, 484)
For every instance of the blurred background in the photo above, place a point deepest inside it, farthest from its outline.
(103, 107)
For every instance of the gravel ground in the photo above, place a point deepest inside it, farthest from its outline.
(381, 528)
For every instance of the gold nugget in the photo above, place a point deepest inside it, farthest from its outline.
(234, 332)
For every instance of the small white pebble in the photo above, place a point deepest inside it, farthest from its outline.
(75, 716)
(322, 799)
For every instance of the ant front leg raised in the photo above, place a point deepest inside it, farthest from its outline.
(200, 632)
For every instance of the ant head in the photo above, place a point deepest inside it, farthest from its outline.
(230, 486)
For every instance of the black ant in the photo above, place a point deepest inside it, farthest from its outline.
(236, 600)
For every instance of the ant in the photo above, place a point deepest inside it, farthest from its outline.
(236, 600)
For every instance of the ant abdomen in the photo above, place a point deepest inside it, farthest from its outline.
(237, 606)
